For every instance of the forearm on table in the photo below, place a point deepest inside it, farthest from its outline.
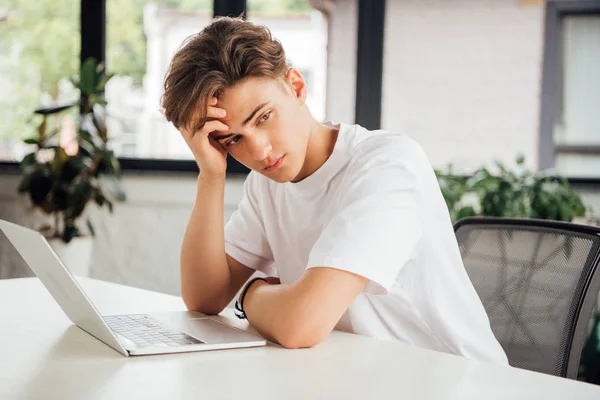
(282, 314)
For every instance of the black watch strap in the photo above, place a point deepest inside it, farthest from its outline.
(239, 305)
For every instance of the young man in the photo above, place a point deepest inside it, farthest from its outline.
(351, 221)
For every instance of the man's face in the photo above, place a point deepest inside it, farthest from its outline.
(268, 125)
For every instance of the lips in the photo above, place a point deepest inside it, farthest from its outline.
(275, 164)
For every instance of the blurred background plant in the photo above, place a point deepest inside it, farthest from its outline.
(510, 193)
(72, 164)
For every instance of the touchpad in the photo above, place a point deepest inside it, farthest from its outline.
(212, 332)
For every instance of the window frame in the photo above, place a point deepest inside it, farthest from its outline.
(551, 97)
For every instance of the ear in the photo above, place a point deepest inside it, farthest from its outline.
(297, 84)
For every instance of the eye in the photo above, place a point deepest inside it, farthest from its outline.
(234, 140)
(264, 117)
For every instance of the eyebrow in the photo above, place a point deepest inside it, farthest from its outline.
(246, 121)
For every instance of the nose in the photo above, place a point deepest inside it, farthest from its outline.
(259, 146)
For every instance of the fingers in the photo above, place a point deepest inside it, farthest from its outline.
(214, 125)
(215, 112)
(216, 144)
(211, 125)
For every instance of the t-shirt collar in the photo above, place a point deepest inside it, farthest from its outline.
(318, 179)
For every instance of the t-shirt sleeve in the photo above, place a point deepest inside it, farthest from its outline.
(377, 227)
(245, 236)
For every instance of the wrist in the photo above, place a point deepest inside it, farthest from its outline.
(253, 286)
(205, 180)
(250, 287)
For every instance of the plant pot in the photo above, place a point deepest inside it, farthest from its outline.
(76, 255)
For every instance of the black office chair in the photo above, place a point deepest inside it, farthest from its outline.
(539, 283)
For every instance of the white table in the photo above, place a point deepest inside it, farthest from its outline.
(44, 356)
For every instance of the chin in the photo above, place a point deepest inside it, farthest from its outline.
(286, 173)
(281, 176)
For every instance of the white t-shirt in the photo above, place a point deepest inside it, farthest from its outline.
(375, 209)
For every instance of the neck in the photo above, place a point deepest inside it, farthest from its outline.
(321, 142)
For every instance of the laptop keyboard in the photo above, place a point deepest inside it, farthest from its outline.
(146, 331)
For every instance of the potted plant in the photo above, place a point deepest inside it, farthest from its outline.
(70, 168)
(510, 193)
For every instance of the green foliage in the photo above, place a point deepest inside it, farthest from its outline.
(39, 44)
(125, 39)
(589, 369)
(511, 193)
(62, 184)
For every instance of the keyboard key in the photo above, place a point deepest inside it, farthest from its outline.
(146, 331)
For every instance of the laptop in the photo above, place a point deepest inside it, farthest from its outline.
(130, 335)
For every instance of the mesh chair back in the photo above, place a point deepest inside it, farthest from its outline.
(536, 280)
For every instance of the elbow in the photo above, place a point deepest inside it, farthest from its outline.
(206, 310)
(203, 306)
(300, 338)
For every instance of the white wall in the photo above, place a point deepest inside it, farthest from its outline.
(341, 63)
(463, 78)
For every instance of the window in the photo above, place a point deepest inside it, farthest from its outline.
(39, 49)
(302, 31)
(142, 37)
(577, 126)
(40, 46)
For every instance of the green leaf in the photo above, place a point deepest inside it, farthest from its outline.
(71, 168)
(465, 212)
(54, 109)
(112, 163)
(25, 183)
(100, 124)
(28, 160)
(31, 141)
(99, 198)
(60, 157)
(102, 102)
(61, 197)
(103, 81)
(40, 186)
(82, 193)
(88, 77)
(48, 143)
(70, 232)
(88, 138)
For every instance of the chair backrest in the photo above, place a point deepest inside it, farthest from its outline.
(538, 282)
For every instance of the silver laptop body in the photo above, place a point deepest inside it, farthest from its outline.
(156, 333)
